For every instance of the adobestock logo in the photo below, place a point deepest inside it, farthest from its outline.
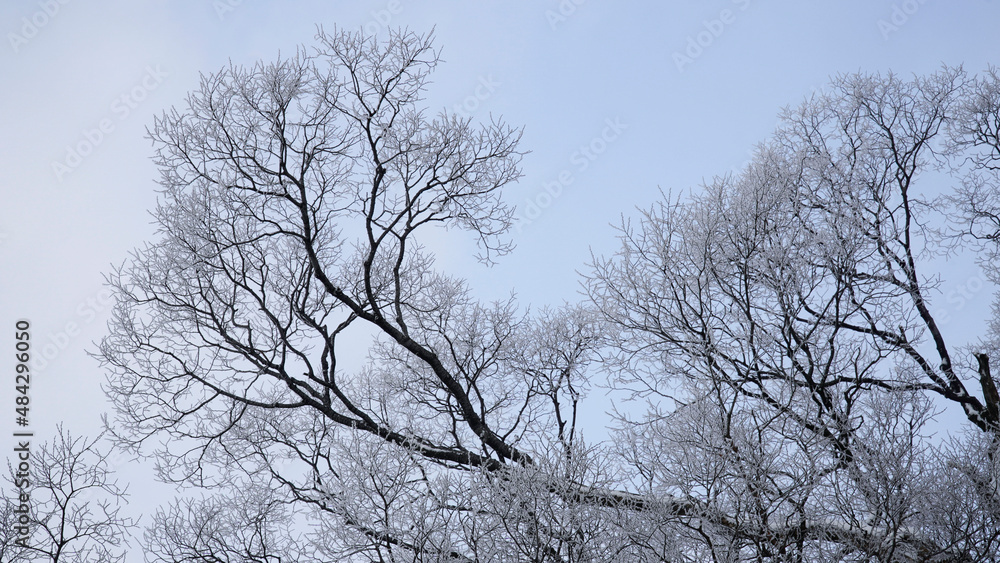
(483, 91)
(958, 296)
(581, 159)
(224, 7)
(120, 108)
(712, 29)
(563, 11)
(31, 25)
(900, 16)
(382, 18)
(55, 343)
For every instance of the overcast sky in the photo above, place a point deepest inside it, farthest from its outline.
(618, 100)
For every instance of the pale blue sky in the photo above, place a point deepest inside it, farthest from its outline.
(563, 78)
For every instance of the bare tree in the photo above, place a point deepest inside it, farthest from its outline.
(247, 525)
(294, 196)
(75, 505)
(11, 549)
(778, 324)
(782, 324)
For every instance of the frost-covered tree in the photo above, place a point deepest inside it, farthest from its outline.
(778, 328)
(294, 198)
(75, 508)
(782, 323)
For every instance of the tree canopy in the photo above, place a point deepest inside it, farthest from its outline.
(776, 330)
